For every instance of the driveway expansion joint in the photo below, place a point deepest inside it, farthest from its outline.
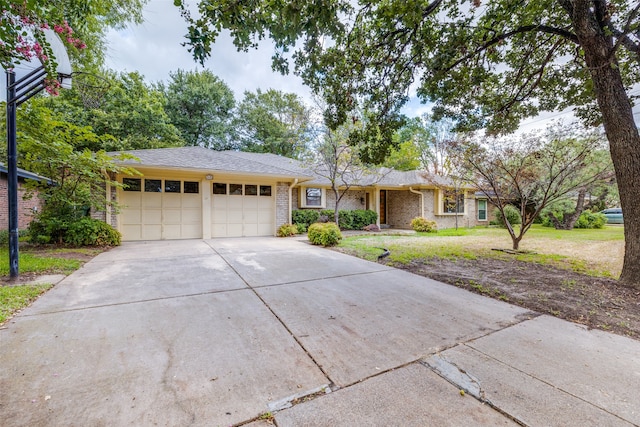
(289, 331)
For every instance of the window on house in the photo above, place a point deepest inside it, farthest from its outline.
(235, 189)
(313, 197)
(132, 184)
(219, 188)
(250, 190)
(152, 186)
(265, 190)
(191, 187)
(453, 202)
(171, 186)
(482, 210)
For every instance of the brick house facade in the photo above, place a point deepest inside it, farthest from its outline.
(26, 207)
(193, 192)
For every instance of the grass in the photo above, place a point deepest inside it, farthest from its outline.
(15, 298)
(37, 263)
(579, 250)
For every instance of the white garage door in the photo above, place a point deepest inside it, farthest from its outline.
(242, 210)
(159, 209)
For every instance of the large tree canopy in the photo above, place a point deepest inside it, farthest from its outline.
(201, 106)
(485, 64)
(274, 122)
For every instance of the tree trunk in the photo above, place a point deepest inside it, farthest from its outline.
(620, 128)
(569, 219)
(336, 214)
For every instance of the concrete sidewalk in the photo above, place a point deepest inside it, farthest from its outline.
(225, 332)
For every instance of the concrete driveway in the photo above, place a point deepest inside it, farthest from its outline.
(225, 332)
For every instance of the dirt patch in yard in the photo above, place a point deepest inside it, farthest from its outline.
(596, 302)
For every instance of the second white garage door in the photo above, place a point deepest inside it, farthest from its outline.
(242, 210)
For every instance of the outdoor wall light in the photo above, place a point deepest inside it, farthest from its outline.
(209, 177)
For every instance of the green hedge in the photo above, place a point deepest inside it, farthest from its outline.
(347, 219)
(325, 234)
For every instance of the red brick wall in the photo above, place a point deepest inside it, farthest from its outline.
(25, 207)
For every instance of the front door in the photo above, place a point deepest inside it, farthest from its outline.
(383, 206)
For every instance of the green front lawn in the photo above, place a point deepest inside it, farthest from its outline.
(38, 262)
(15, 298)
(547, 246)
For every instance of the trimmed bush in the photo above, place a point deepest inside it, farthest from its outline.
(325, 234)
(287, 230)
(347, 219)
(302, 228)
(91, 232)
(360, 218)
(305, 216)
(512, 213)
(590, 219)
(423, 225)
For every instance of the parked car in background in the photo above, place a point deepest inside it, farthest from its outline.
(614, 215)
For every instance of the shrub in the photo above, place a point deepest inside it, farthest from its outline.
(302, 228)
(512, 213)
(590, 219)
(287, 230)
(423, 225)
(360, 218)
(305, 216)
(91, 232)
(327, 234)
(345, 220)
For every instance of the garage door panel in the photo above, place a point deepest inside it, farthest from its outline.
(152, 232)
(191, 231)
(191, 201)
(152, 200)
(242, 215)
(234, 230)
(130, 199)
(172, 231)
(172, 201)
(132, 232)
(172, 216)
(152, 216)
(160, 215)
(219, 230)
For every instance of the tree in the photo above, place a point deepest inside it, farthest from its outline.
(80, 24)
(404, 158)
(201, 106)
(602, 170)
(79, 176)
(274, 122)
(485, 65)
(340, 164)
(130, 116)
(530, 172)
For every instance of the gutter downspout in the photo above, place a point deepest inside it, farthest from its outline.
(421, 194)
(295, 182)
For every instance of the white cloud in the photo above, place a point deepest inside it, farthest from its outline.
(154, 49)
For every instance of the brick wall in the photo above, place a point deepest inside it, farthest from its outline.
(469, 219)
(402, 207)
(282, 203)
(350, 200)
(26, 208)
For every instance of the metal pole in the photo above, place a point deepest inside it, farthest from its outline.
(12, 174)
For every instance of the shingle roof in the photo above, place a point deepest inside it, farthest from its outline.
(269, 164)
(216, 161)
(25, 174)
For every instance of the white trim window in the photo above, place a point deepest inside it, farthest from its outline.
(452, 202)
(313, 197)
(482, 209)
